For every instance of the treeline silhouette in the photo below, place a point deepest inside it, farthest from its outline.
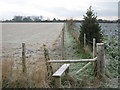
(31, 19)
(40, 19)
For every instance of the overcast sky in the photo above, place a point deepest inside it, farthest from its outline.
(62, 9)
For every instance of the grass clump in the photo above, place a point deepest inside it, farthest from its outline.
(13, 77)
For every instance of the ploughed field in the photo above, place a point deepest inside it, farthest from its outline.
(33, 34)
(30, 32)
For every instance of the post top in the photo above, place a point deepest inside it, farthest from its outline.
(23, 43)
(100, 44)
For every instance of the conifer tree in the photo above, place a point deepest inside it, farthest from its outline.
(90, 27)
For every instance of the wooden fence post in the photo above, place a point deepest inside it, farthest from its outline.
(100, 61)
(84, 40)
(23, 58)
(94, 47)
(48, 65)
(63, 43)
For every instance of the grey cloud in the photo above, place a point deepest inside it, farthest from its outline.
(61, 11)
(107, 8)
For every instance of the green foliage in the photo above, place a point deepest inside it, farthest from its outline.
(90, 27)
(17, 18)
(27, 19)
(111, 50)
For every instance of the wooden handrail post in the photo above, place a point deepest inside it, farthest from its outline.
(84, 40)
(100, 61)
(23, 58)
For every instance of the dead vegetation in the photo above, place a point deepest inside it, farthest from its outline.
(13, 77)
(36, 72)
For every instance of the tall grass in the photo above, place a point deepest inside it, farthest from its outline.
(13, 77)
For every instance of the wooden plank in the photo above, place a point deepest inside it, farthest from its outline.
(73, 61)
(84, 67)
(61, 70)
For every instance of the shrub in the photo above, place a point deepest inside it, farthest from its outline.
(90, 27)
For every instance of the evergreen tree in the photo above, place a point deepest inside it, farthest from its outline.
(90, 27)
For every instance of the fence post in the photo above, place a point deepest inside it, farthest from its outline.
(94, 47)
(48, 65)
(100, 61)
(23, 58)
(63, 43)
(84, 40)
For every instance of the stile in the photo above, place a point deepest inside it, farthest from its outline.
(57, 75)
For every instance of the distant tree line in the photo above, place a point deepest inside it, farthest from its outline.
(40, 19)
(32, 19)
(108, 21)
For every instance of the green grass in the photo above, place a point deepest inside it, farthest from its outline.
(75, 51)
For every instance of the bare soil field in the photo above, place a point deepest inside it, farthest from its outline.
(33, 34)
(30, 32)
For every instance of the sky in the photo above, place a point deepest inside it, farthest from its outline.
(59, 9)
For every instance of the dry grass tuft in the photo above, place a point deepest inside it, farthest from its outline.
(12, 76)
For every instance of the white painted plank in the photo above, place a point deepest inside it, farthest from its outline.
(61, 70)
